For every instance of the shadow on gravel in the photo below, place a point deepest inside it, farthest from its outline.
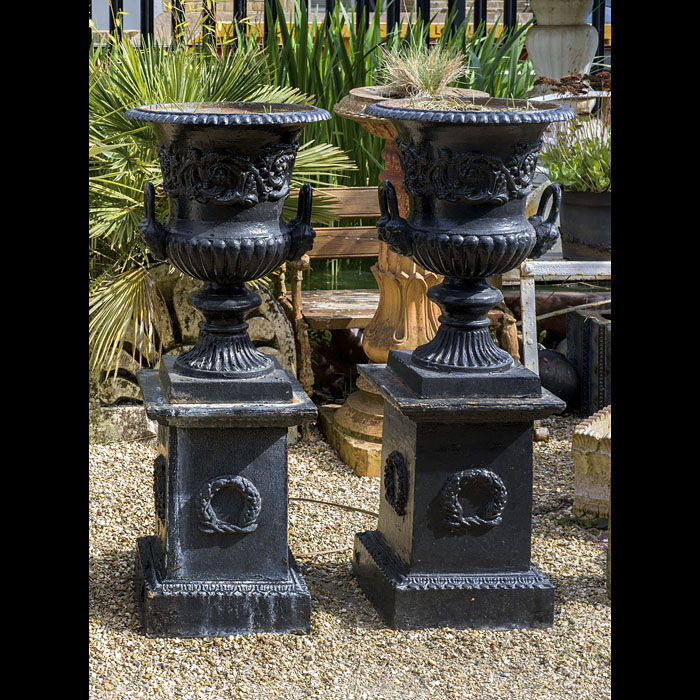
(111, 591)
(334, 591)
(580, 589)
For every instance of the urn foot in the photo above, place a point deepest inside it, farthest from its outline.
(224, 349)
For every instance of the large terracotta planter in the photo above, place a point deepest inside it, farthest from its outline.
(405, 317)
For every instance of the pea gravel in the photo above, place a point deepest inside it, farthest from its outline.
(349, 654)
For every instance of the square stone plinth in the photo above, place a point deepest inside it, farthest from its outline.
(219, 563)
(453, 540)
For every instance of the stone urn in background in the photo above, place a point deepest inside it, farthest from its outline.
(405, 317)
(452, 545)
(219, 563)
(561, 42)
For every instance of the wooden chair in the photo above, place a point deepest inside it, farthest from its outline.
(333, 309)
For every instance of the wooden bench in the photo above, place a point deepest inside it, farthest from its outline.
(333, 309)
(348, 308)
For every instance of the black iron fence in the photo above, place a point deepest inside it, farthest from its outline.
(362, 8)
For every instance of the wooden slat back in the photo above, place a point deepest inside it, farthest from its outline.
(345, 242)
(349, 241)
(354, 202)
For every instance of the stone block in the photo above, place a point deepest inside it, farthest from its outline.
(589, 349)
(591, 450)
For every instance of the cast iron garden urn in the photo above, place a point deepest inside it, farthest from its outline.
(452, 545)
(219, 563)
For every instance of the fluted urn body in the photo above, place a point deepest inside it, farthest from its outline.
(226, 170)
(467, 175)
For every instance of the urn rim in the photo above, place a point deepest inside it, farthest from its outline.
(228, 113)
(508, 112)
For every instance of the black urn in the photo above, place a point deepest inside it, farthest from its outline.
(226, 170)
(467, 175)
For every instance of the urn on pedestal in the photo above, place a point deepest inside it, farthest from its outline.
(219, 563)
(454, 549)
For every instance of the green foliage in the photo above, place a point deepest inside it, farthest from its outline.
(495, 64)
(124, 308)
(579, 158)
(318, 338)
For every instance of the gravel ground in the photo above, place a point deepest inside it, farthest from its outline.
(349, 653)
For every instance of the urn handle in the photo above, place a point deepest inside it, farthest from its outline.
(300, 226)
(546, 229)
(153, 233)
(394, 230)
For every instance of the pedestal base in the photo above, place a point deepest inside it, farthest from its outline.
(354, 429)
(217, 608)
(452, 546)
(474, 601)
(219, 563)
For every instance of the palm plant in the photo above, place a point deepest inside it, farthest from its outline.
(124, 299)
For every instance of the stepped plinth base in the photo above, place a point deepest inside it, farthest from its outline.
(354, 430)
(461, 601)
(178, 608)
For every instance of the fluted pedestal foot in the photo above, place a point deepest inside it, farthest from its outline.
(355, 429)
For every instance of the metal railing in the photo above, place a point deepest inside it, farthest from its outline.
(363, 8)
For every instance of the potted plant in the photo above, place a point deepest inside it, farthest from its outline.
(468, 166)
(578, 158)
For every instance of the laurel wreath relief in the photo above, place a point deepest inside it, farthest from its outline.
(492, 511)
(396, 482)
(248, 518)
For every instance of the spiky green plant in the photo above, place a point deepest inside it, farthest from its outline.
(313, 58)
(420, 71)
(123, 296)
